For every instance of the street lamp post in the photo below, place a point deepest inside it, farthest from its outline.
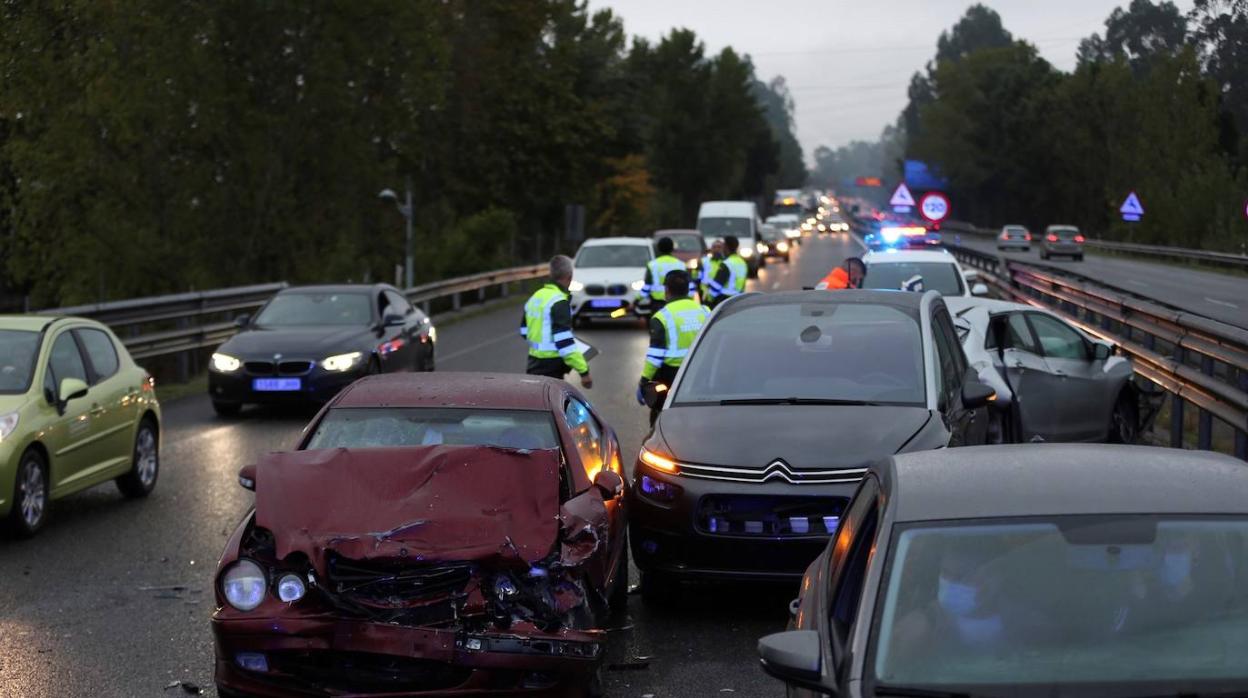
(404, 208)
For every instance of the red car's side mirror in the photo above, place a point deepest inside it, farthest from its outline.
(610, 482)
(247, 477)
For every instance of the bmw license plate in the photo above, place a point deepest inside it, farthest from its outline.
(606, 303)
(274, 385)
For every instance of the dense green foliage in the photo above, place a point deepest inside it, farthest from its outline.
(150, 147)
(1158, 104)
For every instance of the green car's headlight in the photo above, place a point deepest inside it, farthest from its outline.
(8, 424)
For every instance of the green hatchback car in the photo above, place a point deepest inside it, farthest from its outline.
(75, 411)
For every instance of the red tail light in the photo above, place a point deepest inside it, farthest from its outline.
(1051, 238)
(1027, 237)
(1078, 238)
(391, 346)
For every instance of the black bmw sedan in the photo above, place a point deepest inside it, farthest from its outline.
(309, 342)
(782, 403)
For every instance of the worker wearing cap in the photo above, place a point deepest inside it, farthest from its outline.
(547, 325)
(672, 331)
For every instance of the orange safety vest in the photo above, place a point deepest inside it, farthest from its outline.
(836, 280)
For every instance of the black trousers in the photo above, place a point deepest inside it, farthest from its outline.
(551, 368)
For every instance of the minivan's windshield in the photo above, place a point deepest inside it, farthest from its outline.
(712, 228)
(601, 256)
(381, 427)
(1067, 604)
(936, 276)
(18, 350)
(808, 351)
(297, 309)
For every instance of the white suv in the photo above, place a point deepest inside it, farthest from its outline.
(609, 273)
(920, 270)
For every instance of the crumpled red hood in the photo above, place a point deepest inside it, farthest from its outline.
(431, 503)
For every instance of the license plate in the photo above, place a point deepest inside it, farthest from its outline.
(273, 385)
(606, 303)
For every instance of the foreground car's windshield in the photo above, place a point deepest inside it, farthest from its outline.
(378, 427)
(295, 309)
(813, 351)
(17, 360)
(1063, 603)
(598, 256)
(937, 276)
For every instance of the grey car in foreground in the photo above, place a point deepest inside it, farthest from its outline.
(1051, 570)
(1054, 382)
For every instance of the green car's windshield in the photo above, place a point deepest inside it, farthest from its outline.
(18, 353)
(1057, 605)
(296, 309)
(382, 427)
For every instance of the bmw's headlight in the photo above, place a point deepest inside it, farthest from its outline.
(8, 423)
(290, 588)
(342, 362)
(639, 284)
(225, 363)
(243, 585)
(576, 286)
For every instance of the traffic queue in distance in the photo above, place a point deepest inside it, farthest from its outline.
(469, 533)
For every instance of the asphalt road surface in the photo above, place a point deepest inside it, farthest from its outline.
(1208, 293)
(113, 598)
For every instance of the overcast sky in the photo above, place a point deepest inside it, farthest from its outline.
(848, 63)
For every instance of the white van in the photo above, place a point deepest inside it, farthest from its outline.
(718, 219)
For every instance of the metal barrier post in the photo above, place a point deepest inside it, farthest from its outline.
(1204, 423)
(455, 301)
(1176, 410)
(1241, 436)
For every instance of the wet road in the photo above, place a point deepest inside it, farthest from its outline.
(1209, 293)
(113, 597)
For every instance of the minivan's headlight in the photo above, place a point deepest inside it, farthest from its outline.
(342, 362)
(8, 423)
(243, 585)
(225, 363)
(576, 286)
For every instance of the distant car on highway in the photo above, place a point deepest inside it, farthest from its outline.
(1054, 382)
(1048, 570)
(689, 246)
(1014, 237)
(782, 402)
(788, 223)
(452, 533)
(309, 342)
(919, 270)
(608, 275)
(1064, 240)
(719, 219)
(75, 412)
(773, 243)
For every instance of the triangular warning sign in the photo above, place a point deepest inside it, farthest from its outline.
(1132, 206)
(901, 197)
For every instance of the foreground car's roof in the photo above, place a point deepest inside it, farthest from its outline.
(957, 304)
(515, 391)
(29, 323)
(1064, 480)
(900, 299)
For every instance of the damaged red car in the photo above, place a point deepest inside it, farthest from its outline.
(435, 535)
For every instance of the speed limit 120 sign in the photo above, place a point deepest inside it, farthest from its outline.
(934, 206)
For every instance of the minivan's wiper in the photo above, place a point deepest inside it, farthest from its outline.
(798, 401)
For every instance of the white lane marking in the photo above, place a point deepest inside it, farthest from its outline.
(489, 342)
(1215, 301)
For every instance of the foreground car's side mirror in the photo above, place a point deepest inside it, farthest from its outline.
(610, 482)
(654, 394)
(242, 321)
(979, 289)
(1100, 352)
(71, 389)
(794, 657)
(247, 477)
(976, 394)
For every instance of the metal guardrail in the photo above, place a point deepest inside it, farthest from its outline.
(1223, 259)
(1199, 361)
(183, 323)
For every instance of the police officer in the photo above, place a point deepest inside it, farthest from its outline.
(547, 325)
(707, 268)
(657, 270)
(672, 331)
(729, 279)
